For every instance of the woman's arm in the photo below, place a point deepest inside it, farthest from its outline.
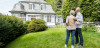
(67, 21)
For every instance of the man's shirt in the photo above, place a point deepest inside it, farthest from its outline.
(79, 17)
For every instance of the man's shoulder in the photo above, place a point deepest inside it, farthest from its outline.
(79, 14)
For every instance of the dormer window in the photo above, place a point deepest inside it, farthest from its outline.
(42, 6)
(30, 6)
(33, 6)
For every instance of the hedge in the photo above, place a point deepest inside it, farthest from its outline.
(10, 28)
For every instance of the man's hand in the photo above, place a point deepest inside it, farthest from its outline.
(66, 24)
(75, 18)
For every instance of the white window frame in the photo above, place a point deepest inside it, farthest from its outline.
(30, 6)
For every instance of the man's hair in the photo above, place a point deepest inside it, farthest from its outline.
(72, 12)
(77, 9)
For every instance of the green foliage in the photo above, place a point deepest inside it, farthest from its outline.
(36, 25)
(69, 5)
(90, 9)
(56, 5)
(10, 28)
(26, 25)
(90, 28)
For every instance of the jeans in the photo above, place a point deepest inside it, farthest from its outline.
(79, 33)
(72, 36)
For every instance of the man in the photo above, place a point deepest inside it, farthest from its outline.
(78, 32)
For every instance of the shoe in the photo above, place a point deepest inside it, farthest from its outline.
(79, 46)
(76, 42)
(65, 45)
(72, 46)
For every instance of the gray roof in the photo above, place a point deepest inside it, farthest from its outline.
(19, 7)
(41, 1)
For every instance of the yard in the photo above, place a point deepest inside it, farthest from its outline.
(53, 38)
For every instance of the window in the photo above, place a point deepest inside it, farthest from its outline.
(41, 7)
(48, 18)
(42, 17)
(30, 6)
(33, 6)
(30, 17)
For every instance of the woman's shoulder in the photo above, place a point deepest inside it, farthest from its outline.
(67, 17)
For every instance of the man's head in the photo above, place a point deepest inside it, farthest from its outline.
(77, 9)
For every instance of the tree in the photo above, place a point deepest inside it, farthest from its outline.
(90, 10)
(69, 5)
(56, 5)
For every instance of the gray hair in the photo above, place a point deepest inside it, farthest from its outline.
(72, 12)
(78, 8)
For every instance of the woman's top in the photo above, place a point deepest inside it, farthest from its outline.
(70, 22)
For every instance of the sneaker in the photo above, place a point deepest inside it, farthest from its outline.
(65, 45)
(76, 42)
(72, 46)
(79, 46)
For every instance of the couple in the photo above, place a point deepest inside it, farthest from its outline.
(74, 26)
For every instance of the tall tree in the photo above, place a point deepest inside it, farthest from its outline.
(56, 5)
(90, 10)
(69, 5)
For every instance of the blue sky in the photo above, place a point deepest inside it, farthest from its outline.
(7, 5)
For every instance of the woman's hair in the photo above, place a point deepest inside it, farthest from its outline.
(72, 12)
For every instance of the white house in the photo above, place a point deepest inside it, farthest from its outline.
(39, 9)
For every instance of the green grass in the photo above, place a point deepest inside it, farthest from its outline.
(53, 38)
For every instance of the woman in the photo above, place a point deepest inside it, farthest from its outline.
(70, 22)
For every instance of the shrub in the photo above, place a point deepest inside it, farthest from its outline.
(84, 27)
(10, 28)
(92, 29)
(26, 25)
(36, 25)
(89, 29)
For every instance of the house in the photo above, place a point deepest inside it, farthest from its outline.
(39, 9)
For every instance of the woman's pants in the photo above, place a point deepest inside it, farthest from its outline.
(72, 36)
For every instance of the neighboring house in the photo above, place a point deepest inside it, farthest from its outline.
(39, 9)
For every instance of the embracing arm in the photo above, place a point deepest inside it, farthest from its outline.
(75, 19)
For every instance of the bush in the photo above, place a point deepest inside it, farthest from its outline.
(26, 25)
(92, 29)
(89, 29)
(84, 27)
(10, 28)
(36, 25)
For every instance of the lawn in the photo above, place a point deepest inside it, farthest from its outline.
(53, 38)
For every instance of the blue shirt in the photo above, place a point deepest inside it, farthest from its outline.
(79, 17)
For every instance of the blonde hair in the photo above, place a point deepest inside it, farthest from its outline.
(78, 8)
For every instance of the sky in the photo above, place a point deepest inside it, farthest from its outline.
(7, 5)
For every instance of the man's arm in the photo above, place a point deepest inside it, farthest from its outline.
(75, 19)
(79, 18)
